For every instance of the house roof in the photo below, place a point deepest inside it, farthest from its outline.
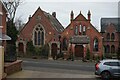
(80, 39)
(4, 37)
(55, 23)
(106, 21)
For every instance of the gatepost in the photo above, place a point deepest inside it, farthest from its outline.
(2, 75)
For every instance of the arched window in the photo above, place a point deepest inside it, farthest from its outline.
(38, 36)
(64, 44)
(84, 30)
(112, 49)
(80, 28)
(76, 30)
(95, 48)
(112, 36)
(108, 36)
(107, 49)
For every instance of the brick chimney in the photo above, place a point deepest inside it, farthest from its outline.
(54, 14)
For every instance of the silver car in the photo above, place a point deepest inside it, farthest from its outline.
(108, 68)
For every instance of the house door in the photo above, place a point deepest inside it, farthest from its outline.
(54, 50)
(21, 47)
(79, 51)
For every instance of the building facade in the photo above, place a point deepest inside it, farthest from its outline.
(42, 28)
(80, 36)
(111, 36)
(3, 31)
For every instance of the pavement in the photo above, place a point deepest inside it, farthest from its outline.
(38, 74)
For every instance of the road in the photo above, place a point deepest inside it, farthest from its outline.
(58, 64)
(41, 68)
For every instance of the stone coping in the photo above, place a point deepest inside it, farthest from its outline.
(7, 64)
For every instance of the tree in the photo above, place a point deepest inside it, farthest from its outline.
(11, 6)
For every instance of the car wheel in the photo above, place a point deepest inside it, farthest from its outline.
(105, 75)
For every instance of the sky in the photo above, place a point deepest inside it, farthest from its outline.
(99, 9)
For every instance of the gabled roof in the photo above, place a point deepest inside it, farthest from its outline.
(80, 17)
(106, 21)
(55, 23)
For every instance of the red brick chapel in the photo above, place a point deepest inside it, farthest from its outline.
(43, 28)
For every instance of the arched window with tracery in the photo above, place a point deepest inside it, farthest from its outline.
(38, 36)
(95, 48)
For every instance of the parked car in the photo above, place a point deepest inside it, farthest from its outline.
(109, 68)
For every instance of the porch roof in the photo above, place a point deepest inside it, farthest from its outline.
(79, 39)
(4, 37)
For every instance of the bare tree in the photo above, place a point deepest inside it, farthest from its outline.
(19, 23)
(11, 6)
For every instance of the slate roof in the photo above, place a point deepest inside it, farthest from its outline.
(106, 21)
(56, 24)
(80, 39)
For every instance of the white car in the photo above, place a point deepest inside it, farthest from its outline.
(108, 68)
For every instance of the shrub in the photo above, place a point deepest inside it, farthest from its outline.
(88, 54)
(30, 48)
(10, 55)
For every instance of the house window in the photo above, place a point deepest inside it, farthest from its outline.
(108, 36)
(0, 20)
(107, 49)
(76, 30)
(84, 29)
(112, 36)
(112, 49)
(95, 48)
(39, 36)
(80, 28)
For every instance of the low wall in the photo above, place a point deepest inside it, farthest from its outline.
(13, 67)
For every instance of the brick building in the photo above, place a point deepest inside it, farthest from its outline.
(111, 35)
(3, 15)
(42, 28)
(81, 35)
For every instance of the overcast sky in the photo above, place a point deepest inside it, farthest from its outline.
(101, 8)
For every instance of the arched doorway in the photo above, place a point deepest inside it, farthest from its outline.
(54, 50)
(79, 51)
(20, 47)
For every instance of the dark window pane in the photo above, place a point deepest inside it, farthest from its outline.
(114, 63)
(112, 36)
(107, 63)
(35, 38)
(39, 38)
(42, 38)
